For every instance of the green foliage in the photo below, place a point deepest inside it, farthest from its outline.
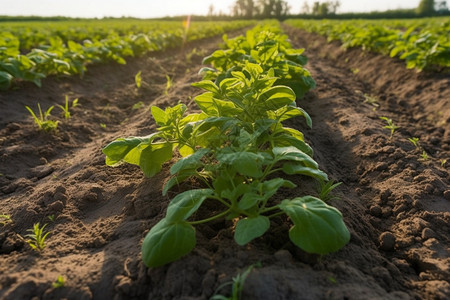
(422, 43)
(32, 51)
(390, 125)
(37, 237)
(235, 147)
(43, 122)
(424, 156)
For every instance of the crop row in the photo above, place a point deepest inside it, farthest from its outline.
(422, 44)
(31, 54)
(237, 150)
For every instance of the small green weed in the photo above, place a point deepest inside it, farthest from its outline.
(390, 125)
(168, 85)
(60, 282)
(372, 100)
(424, 156)
(37, 237)
(325, 189)
(237, 285)
(415, 142)
(65, 108)
(138, 79)
(43, 122)
(443, 162)
(138, 105)
(5, 219)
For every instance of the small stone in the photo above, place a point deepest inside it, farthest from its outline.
(428, 233)
(41, 171)
(283, 255)
(56, 207)
(375, 210)
(401, 208)
(387, 241)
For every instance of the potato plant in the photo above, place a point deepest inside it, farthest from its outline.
(236, 147)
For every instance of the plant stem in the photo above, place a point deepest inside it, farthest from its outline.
(222, 214)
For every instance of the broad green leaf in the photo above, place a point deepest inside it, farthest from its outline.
(167, 242)
(249, 200)
(285, 140)
(189, 162)
(250, 228)
(294, 154)
(293, 168)
(159, 115)
(153, 157)
(318, 227)
(246, 163)
(119, 149)
(293, 111)
(277, 97)
(207, 85)
(185, 204)
(206, 104)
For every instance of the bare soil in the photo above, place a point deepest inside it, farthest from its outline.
(395, 203)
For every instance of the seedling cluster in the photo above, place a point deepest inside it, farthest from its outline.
(238, 148)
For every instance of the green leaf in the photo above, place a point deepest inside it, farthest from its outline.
(120, 148)
(294, 154)
(207, 85)
(185, 204)
(318, 227)
(246, 163)
(167, 242)
(159, 115)
(293, 111)
(250, 228)
(292, 168)
(153, 156)
(189, 162)
(5, 80)
(249, 200)
(277, 97)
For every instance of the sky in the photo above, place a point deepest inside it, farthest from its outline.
(162, 8)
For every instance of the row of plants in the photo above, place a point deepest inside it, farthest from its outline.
(423, 45)
(237, 150)
(58, 54)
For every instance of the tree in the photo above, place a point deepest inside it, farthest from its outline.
(305, 8)
(425, 8)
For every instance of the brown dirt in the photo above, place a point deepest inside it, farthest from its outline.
(395, 205)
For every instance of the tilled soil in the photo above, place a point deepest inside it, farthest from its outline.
(394, 200)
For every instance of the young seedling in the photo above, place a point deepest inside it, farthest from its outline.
(415, 142)
(60, 282)
(443, 162)
(138, 105)
(168, 85)
(390, 125)
(424, 156)
(5, 219)
(43, 122)
(237, 285)
(51, 218)
(138, 79)
(65, 108)
(37, 237)
(325, 188)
